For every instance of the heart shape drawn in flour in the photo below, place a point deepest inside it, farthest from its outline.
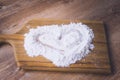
(62, 44)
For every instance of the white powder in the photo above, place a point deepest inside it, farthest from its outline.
(61, 44)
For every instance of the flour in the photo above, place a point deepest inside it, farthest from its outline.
(61, 44)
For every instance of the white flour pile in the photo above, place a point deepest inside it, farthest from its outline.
(61, 44)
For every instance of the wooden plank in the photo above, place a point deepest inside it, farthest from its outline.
(100, 48)
(40, 22)
(97, 61)
(77, 65)
(100, 71)
(87, 59)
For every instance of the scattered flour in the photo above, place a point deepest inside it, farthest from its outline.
(62, 44)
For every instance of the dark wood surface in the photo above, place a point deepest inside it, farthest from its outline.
(14, 13)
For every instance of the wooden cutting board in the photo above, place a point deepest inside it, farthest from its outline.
(95, 62)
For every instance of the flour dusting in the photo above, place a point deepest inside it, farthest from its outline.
(62, 44)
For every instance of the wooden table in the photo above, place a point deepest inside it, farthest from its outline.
(14, 13)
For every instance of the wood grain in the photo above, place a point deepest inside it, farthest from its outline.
(14, 13)
(97, 59)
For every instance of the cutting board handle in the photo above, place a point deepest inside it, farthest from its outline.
(7, 38)
(11, 37)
